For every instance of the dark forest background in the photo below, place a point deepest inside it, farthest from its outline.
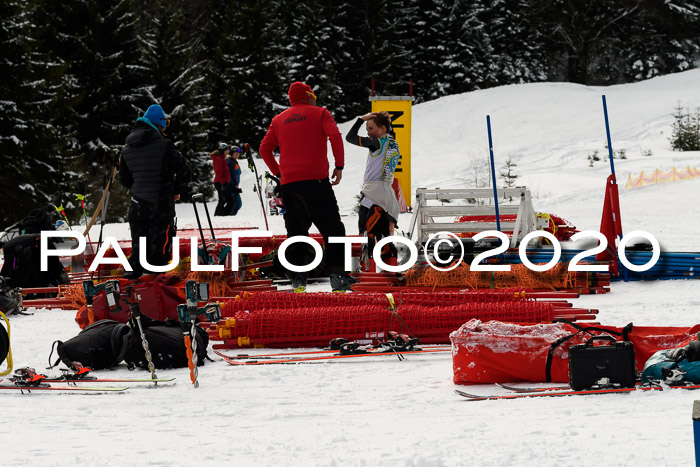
(75, 74)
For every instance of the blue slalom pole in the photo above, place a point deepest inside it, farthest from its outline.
(493, 178)
(612, 163)
(607, 131)
(493, 174)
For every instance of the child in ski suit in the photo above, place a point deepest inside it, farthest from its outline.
(379, 208)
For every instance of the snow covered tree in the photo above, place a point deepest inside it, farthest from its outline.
(580, 29)
(508, 174)
(96, 43)
(428, 51)
(517, 44)
(30, 142)
(175, 81)
(255, 70)
(663, 39)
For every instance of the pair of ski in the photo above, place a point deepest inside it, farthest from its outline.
(559, 391)
(45, 384)
(321, 355)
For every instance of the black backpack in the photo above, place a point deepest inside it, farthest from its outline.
(98, 346)
(23, 267)
(34, 222)
(166, 343)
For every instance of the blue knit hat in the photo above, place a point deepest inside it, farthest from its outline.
(156, 115)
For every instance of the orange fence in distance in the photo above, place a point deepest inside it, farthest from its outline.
(658, 176)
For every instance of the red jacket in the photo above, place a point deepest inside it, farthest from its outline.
(221, 173)
(302, 133)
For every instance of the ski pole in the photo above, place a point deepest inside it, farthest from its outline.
(60, 209)
(252, 167)
(105, 202)
(81, 198)
(199, 197)
(211, 227)
(493, 177)
(191, 344)
(136, 314)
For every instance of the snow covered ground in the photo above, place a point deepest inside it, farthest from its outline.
(383, 411)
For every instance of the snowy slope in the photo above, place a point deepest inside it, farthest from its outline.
(405, 413)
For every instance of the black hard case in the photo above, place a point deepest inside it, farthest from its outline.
(588, 364)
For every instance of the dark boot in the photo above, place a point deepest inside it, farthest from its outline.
(342, 282)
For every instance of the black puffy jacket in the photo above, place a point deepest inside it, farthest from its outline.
(151, 167)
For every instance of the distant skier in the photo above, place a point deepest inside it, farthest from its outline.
(235, 189)
(222, 180)
(379, 208)
(156, 174)
(302, 133)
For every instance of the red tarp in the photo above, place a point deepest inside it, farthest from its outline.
(496, 352)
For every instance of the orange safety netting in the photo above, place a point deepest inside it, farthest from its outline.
(316, 326)
(657, 176)
(74, 293)
(462, 276)
(249, 302)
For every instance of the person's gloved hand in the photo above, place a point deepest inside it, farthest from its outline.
(678, 353)
(237, 190)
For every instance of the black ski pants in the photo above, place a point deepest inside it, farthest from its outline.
(376, 224)
(225, 205)
(313, 202)
(157, 224)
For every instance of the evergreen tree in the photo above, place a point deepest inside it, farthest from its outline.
(579, 32)
(14, 134)
(96, 42)
(663, 39)
(30, 143)
(256, 91)
(517, 44)
(429, 49)
(175, 81)
(508, 174)
(469, 54)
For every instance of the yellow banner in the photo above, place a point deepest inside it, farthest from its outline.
(400, 110)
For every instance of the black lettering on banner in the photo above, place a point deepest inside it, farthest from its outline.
(395, 115)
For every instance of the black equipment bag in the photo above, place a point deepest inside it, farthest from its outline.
(604, 365)
(166, 342)
(23, 266)
(34, 222)
(97, 346)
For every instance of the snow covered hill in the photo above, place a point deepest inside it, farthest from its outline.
(405, 413)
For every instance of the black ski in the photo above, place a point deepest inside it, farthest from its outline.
(555, 393)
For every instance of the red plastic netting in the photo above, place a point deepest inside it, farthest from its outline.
(280, 301)
(317, 325)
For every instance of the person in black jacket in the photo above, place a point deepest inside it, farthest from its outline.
(156, 174)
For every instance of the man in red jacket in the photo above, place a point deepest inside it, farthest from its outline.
(302, 133)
